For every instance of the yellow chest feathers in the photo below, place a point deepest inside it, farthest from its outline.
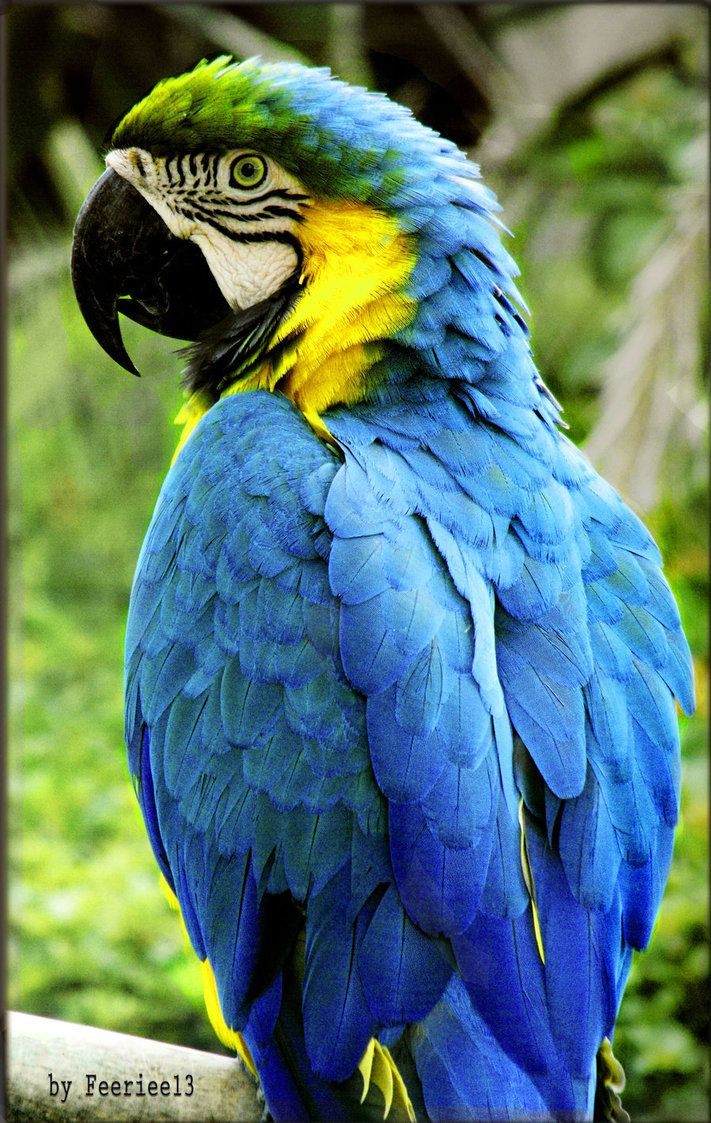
(356, 262)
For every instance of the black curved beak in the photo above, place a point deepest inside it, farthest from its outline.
(124, 259)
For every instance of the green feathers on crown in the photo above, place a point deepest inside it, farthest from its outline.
(207, 108)
(341, 141)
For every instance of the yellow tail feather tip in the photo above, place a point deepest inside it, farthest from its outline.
(378, 1068)
(169, 894)
(230, 1038)
(365, 1066)
(528, 878)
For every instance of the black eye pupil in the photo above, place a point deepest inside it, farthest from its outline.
(248, 169)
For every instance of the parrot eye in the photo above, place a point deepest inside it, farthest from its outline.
(248, 171)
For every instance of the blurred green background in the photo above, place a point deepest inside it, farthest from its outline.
(591, 124)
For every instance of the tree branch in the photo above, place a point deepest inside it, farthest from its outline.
(56, 1070)
(228, 32)
(563, 53)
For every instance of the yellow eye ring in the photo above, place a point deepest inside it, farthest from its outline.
(248, 171)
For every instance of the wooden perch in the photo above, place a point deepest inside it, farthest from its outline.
(59, 1071)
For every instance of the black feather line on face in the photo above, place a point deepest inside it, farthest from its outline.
(235, 346)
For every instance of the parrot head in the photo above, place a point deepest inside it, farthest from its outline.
(281, 220)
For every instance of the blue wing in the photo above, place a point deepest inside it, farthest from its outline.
(505, 616)
(249, 747)
(350, 680)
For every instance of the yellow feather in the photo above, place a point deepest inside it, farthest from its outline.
(230, 1038)
(352, 255)
(312, 390)
(172, 900)
(400, 1095)
(193, 408)
(612, 1072)
(356, 264)
(378, 1068)
(528, 878)
(365, 1066)
(383, 1078)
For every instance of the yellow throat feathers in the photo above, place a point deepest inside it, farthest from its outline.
(355, 266)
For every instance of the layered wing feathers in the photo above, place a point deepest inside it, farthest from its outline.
(569, 644)
(249, 743)
(341, 678)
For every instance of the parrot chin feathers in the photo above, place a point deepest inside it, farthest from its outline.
(124, 259)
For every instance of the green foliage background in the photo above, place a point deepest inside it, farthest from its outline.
(594, 194)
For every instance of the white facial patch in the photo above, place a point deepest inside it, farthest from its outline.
(246, 272)
(242, 209)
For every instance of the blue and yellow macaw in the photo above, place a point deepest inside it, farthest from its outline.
(400, 666)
